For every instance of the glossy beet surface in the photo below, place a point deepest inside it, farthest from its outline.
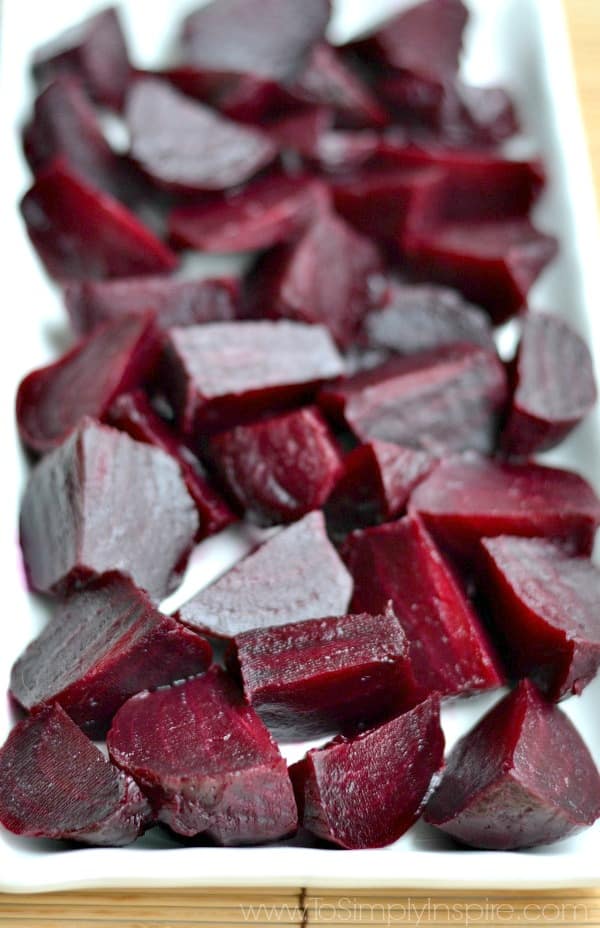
(104, 644)
(101, 502)
(522, 777)
(206, 761)
(366, 792)
(295, 575)
(57, 784)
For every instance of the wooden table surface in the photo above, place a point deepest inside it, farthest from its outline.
(294, 907)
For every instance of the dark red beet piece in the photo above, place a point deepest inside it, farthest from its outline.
(555, 387)
(101, 502)
(399, 562)
(301, 130)
(314, 677)
(206, 761)
(93, 51)
(468, 498)
(80, 232)
(52, 400)
(222, 374)
(339, 150)
(522, 777)
(367, 791)
(209, 152)
(294, 576)
(546, 609)
(280, 468)
(103, 645)
(132, 413)
(57, 784)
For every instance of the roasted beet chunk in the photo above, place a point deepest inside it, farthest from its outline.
(522, 777)
(52, 401)
(101, 502)
(294, 576)
(104, 644)
(366, 792)
(555, 386)
(468, 498)
(315, 677)
(185, 146)
(57, 784)
(206, 761)
(79, 232)
(449, 648)
(278, 469)
(546, 609)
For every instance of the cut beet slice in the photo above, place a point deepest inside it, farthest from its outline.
(294, 576)
(52, 401)
(301, 130)
(206, 761)
(93, 51)
(57, 784)
(522, 777)
(209, 152)
(79, 232)
(399, 562)
(132, 413)
(340, 150)
(220, 375)
(314, 677)
(468, 498)
(555, 387)
(366, 792)
(104, 644)
(278, 469)
(546, 609)
(101, 502)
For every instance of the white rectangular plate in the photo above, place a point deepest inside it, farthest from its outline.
(524, 45)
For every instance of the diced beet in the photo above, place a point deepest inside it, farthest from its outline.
(294, 576)
(522, 777)
(399, 562)
(206, 761)
(101, 502)
(555, 387)
(367, 791)
(301, 130)
(486, 116)
(79, 231)
(468, 498)
(185, 146)
(132, 413)
(104, 644)
(222, 374)
(280, 468)
(546, 609)
(52, 400)
(314, 677)
(93, 51)
(57, 784)
(339, 150)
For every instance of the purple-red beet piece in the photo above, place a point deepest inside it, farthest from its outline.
(100, 502)
(555, 387)
(522, 777)
(206, 761)
(301, 130)
(295, 575)
(52, 400)
(57, 784)
(339, 150)
(546, 609)
(103, 645)
(280, 468)
(367, 791)
(399, 562)
(79, 231)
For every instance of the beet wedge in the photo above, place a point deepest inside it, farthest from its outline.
(57, 784)
(368, 791)
(206, 761)
(295, 575)
(522, 777)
